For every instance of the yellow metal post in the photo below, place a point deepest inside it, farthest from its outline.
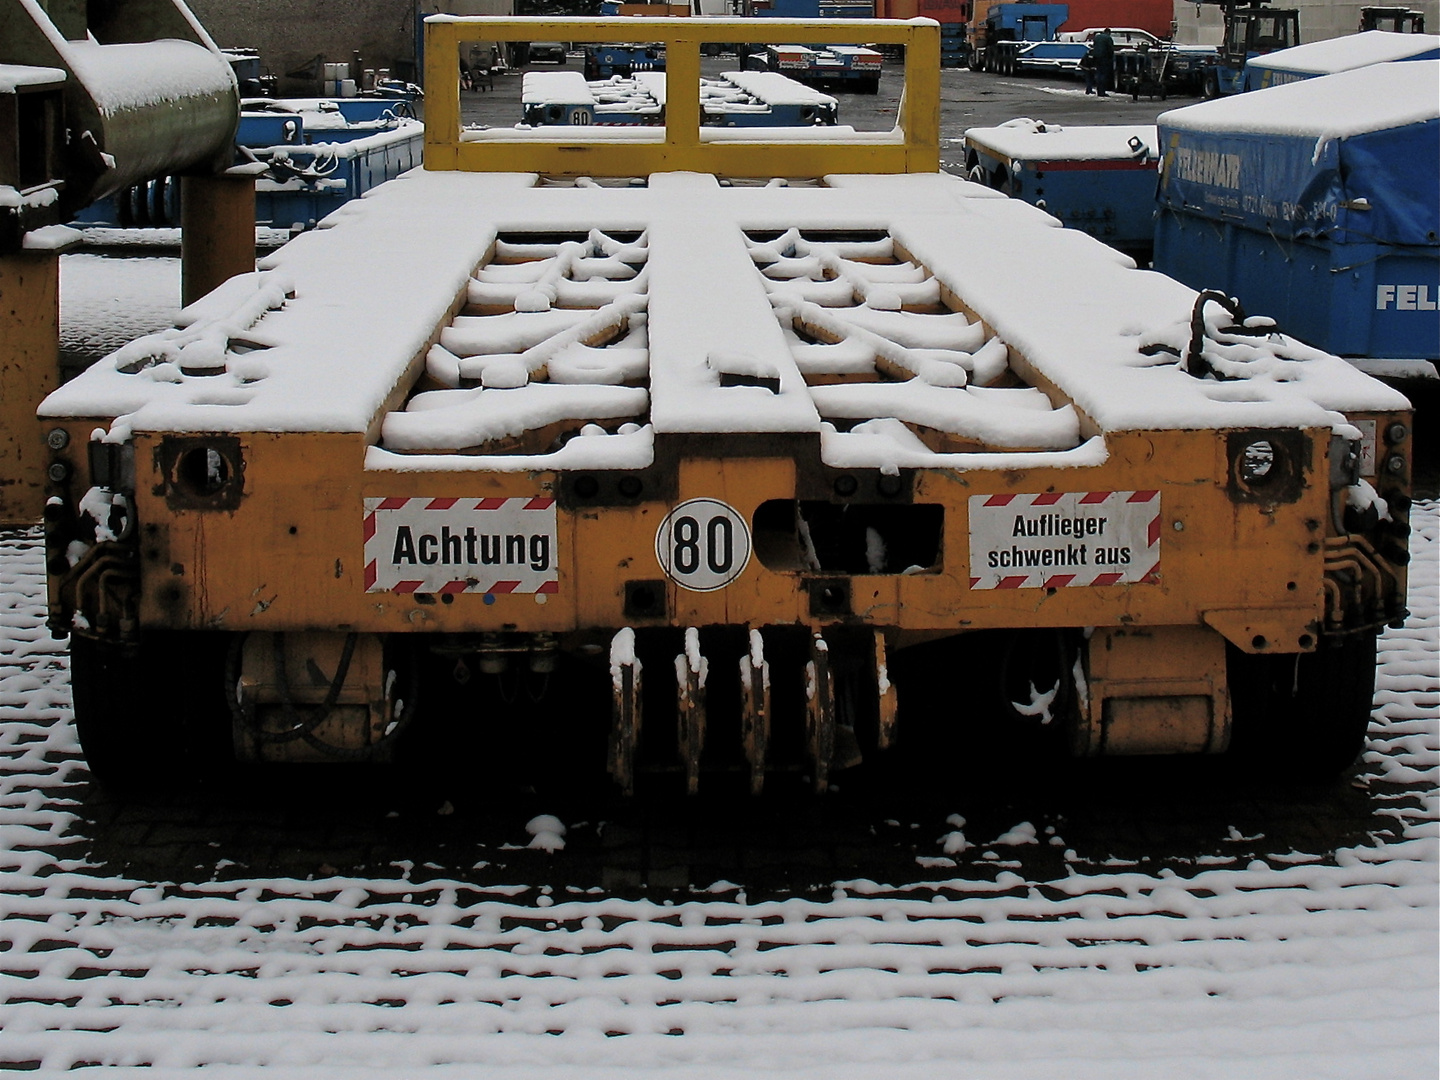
(29, 366)
(682, 93)
(442, 94)
(217, 232)
(920, 105)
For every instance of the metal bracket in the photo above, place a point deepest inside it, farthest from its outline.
(888, 699)
(755, 709)
(690, 671)
(625, 729)
(820, 711)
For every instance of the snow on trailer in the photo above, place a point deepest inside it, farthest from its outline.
(717, 447)
(1315, 202)
(557, 97)
(1100, 180)
(750, 98)
(829, 65)
(733, 99)
(318, 153)
(1338, 54)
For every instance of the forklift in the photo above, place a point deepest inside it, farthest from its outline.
(1251, 29)
(1397, 20)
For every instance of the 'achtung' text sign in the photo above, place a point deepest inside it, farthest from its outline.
(460, 545)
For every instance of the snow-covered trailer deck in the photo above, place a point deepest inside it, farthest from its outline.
(717, 446)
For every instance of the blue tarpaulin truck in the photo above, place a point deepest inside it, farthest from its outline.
(1315, 203)
(1338, 54)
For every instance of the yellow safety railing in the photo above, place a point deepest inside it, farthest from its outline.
(915, 148)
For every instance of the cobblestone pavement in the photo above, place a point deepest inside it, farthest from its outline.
(1123, 921)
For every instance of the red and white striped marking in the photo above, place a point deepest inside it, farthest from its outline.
(449, 545)
(1060, 539)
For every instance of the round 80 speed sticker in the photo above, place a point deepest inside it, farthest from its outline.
(703, 545)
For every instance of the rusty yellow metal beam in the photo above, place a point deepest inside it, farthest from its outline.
(915, 149)
(29, 369)
(217, 233)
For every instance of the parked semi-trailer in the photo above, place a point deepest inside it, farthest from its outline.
(742, 446)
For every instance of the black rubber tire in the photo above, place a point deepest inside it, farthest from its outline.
(1210, 86)
(1303, 716)
(151, 715)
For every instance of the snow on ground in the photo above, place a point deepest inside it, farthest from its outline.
(1309, 964)
(101, 310)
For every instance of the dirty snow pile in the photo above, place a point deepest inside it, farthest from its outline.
(1313, 964)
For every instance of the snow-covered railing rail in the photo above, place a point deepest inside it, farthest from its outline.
(914, 147)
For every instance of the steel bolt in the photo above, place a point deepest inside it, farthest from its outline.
(57, 438)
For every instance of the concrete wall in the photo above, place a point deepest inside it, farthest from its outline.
(1319, 19)
(291, 34)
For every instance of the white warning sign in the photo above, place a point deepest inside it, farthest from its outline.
(1059, 539)
(444, 545)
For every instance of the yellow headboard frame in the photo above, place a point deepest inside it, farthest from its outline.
(916, 150)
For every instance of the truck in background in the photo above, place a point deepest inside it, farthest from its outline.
(1251, 30)
(1021, 21)
(1397, 20)
(995, 41)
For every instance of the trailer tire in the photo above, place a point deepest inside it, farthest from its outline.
(154, 714)
(1303, 715)
(1210, 86)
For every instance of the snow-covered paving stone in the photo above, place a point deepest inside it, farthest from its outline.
(1289, 963)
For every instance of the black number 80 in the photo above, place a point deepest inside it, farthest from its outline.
(719, 545)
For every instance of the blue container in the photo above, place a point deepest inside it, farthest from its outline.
(270, 129)
(1100, 180)
(1314, 203)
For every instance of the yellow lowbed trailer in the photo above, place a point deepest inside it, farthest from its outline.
(721, 425)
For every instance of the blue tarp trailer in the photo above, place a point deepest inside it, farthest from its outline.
(1334, 55)
(1314, 203)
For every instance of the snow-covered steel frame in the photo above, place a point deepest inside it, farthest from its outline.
(720, 445)
(914, 145)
